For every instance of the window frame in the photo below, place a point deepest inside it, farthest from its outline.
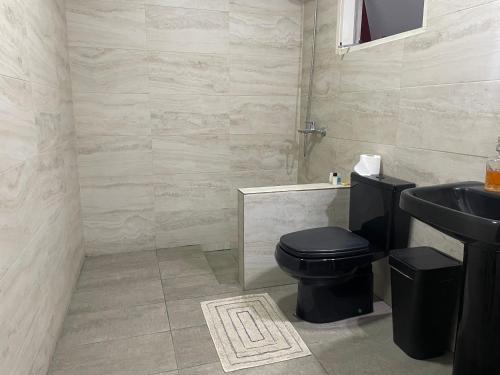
(406, 34)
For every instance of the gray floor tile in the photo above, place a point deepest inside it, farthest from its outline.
(113, 268)
(221, 261)
(86, 328)
(116, 294)
(179, 253)
(184, 267)
(148, 354)
(374, 354)
(187, 312)
(193, 346)
(301, 366)
(195, 286)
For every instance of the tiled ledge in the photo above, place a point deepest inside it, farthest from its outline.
(286, 188)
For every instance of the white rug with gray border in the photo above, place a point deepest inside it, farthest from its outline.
(250, 331)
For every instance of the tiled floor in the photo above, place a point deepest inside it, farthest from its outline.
(139, 314)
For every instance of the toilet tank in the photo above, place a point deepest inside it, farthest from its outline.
(374, 211)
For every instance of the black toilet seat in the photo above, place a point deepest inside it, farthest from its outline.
(324, 243)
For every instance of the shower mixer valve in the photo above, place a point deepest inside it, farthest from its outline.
(311, 129)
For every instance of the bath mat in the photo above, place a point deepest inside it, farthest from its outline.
(250, 331)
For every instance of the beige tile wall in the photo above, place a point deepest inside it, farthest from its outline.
(177, 103)
(41, 245)
(429, 104)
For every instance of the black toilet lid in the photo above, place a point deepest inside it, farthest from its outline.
(327, 242)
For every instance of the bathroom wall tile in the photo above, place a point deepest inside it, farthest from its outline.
(362, 116)
(112, 114)
(181, 252)
(252, 34)
(108, 23)
(263, 115)
(267, 216)
(436, 8)
(17, 192)
(108, 156)
(13, 54)
(176, 73)
(115, 295)
(190, 153)
(321, 160)
(327, 74)
(375, 68)
(187, 30)
(107, 70)
(461, 118)
(426, 167)
(266, 7)
(221, 5)
(135, 355)
(260, 267)
(18, 132)
(189, 114)
(94, 327)
(262, 152)
(53, 128)
(253, 75)
(443, 54)
(117, 214)
(327, 23)
(41, 43)
(207, 227)
(202, 191)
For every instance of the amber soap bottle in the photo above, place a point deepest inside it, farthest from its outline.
(493, 172)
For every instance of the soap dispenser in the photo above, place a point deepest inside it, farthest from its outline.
(493, 172)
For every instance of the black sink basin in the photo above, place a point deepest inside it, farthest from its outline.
(462, 210)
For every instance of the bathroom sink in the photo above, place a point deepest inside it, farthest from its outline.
(462, 210)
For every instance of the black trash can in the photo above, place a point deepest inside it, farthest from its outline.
(425, 284)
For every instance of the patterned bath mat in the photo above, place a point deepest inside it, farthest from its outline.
(250, 331)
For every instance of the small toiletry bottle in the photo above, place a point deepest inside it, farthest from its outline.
(331, 178)
(493, 172)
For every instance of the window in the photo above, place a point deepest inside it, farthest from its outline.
(365, 21)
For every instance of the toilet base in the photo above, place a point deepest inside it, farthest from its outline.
(329, 300)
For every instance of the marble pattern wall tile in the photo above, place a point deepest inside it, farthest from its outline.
(262, 152)
(108, 23)
(364, 116)
(267, 34)
(168, 106)
(293, 7)
(376, 68)
(461, 118)
(189, 114)
(13, 54)
(18, 132)
(263, 115)
(437, 8)
(187, 30)
(253, 75)
(206, 227)
(112, 114)
(181, 73)
(105, 156)
(204, 191)
(107, 70)
(221, 5)
(190, 153)
(267, 216)
(443, 54)
(40, 225)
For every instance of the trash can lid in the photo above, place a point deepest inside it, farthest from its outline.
(422, 260)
